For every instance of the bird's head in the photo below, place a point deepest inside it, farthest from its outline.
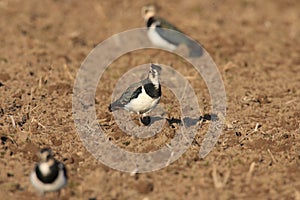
(148, 11)
(46, 155)
(46, 161)
(154, 73)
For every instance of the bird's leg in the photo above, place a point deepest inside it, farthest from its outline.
(58, 194)
(140, 119)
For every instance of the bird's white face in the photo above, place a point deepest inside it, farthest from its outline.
(148, 11)
(44, 155)
(46, 160)
(154, 77)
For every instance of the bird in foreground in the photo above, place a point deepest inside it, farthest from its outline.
(163, 34)
(49, 174)
(141, 97)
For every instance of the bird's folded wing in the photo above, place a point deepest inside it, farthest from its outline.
(171, 36)
(131, 92)
(165, 24)
(178, 37)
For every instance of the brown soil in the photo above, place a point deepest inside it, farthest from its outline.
(256, 47)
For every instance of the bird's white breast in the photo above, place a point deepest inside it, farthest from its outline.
(142, 103)
(157, 40)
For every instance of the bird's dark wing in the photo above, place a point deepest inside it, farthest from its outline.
(130, 93)
(195, 50)
(177, 37)
(169, 32)
(171, 36)
(165, 24)
(136, 93)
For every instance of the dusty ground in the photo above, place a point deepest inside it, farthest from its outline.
(256, 47)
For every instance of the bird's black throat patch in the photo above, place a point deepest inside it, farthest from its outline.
(51, 177)
(150, 21)
(152, 91)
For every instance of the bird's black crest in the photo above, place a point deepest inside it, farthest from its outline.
(46, 150)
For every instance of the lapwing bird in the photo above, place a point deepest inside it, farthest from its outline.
(49, 174)
(141, 97)
(163, 34)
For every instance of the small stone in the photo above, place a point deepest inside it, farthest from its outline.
(144, 187)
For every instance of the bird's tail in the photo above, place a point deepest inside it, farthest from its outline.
(195, 50)
(115, 106)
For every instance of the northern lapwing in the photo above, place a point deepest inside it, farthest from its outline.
(49, 174)
(141, 97)
(163, 34)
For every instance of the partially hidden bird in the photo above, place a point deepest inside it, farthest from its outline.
(163, 34)
(48, 175)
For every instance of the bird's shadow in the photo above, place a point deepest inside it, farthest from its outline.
(188, 121)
